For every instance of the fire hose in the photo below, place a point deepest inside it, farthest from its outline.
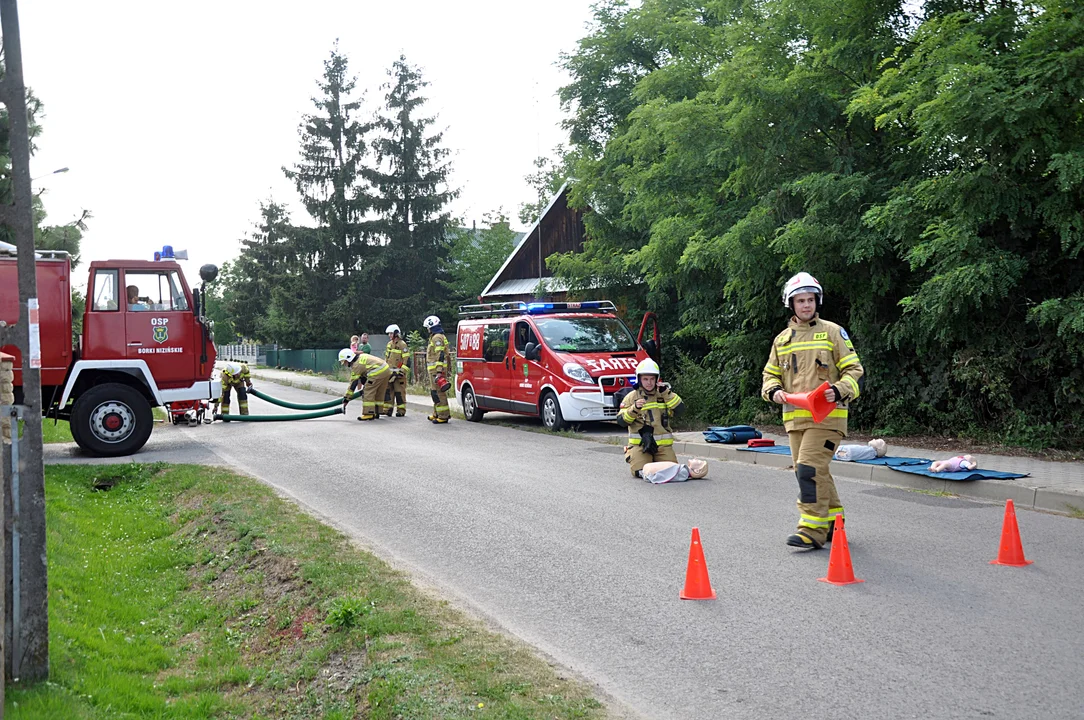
(301, 406)
(280, 418)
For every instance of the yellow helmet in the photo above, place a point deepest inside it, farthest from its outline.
(648, 367)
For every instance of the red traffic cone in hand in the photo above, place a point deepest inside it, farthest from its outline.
(697, 584)
(840, 571)
(1011, 551)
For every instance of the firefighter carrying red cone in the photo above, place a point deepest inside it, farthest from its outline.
(810, 352)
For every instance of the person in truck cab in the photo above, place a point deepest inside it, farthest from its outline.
(647, 412)
(135, 302)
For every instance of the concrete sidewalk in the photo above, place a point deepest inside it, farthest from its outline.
(1055, 486)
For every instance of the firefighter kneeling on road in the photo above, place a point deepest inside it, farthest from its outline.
(646, 412)
(438, 358)
(808, 353)
(395, 355)
(372, 371)
(235, 375)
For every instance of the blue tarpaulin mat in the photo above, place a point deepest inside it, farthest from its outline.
(895, 461)
(978, 474)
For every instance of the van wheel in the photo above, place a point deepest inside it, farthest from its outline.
(111, 419)
(551, 412)
(470, 405)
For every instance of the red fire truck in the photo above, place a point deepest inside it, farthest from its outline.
(145, 343)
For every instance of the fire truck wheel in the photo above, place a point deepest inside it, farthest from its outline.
(551, 412)
(470, 405)
(111, 419)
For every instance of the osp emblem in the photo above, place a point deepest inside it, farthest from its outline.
(161, 334)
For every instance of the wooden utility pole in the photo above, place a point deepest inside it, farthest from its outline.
(26, 627)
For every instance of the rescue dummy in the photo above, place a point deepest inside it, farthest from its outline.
(395, 355)
(852, 453)
(438, 363)
(658, 473)
(810, 352)
(235, 376)
(370, 370)
(647, 412)
(956, 464)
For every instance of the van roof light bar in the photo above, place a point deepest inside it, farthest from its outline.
(506, 309)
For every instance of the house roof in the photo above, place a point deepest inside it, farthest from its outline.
(497, 285)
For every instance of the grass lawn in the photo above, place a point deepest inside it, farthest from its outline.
(191, 592)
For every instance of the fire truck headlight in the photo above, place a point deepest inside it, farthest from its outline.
(577, 372)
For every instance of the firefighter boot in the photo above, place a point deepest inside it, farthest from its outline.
(366, 417)
(801, 540)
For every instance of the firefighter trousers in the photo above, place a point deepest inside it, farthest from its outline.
(440, 399)
(818, 502)
(637, 458)
(395, 395)
(372, 395)
(242, 399)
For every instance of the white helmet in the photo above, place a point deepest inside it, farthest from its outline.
(231, 368)
(803, 282)
(392, 329)
(431, 322)
(346, 355)
(648, 367)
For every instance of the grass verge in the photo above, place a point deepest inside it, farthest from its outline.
(190, 592)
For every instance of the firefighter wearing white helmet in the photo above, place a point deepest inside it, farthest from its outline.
(438, 359)
(810, 352)
(235, 376)
(374, 373)
(396, 354)
(647, 412)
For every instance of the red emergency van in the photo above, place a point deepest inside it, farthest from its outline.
(562, 362)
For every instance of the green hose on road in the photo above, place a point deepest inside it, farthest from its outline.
(301, 406)
(281, 418)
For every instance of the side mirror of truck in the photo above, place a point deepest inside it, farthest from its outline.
(533, 351)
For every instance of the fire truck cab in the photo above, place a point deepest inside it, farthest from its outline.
(563, 362)
(145, 343)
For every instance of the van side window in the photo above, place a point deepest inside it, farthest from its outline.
(105, 290)
(524, 334)
(495, 343)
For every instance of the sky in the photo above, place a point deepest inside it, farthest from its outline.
(175, 119)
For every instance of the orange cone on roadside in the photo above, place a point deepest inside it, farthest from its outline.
(1011, 551)
(840, 571)
(697, 584)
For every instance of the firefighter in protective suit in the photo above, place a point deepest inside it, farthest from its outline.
(646, 412)
(395, 355)
(805, 355)
(372, 371)
(235, 376)
(438, 359)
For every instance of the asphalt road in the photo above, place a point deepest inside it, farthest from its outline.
(551, 538)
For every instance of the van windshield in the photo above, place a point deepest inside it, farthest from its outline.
(586, 335)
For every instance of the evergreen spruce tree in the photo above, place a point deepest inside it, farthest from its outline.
(412, 194)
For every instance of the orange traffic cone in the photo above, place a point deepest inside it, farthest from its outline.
(1011, 551)
(814, 401)
(840, 571)
(697, 584)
